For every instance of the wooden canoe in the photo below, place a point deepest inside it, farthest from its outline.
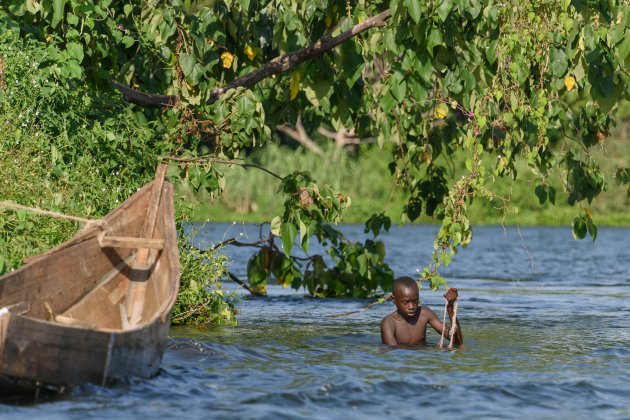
(96, 308)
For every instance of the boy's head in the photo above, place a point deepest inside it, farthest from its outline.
(406, 296)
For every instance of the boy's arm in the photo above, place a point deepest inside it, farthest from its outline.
(451, 296)
(387, 331)
(458, 338)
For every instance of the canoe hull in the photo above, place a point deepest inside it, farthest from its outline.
(63, 316)
(64, 355)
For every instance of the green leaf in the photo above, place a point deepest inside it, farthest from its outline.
(127, 41)
(434, 39)
(288, 233)
(58, 6)
(623, 49)
(362, 263)
(72, 19)
(304, 235)
(559, 61)
(444, 9)
(592, 228)
(491, 51)
(72, 69)
(398, 87)
(482, 121)
(275, 224)
(414, 9)
(127, 9)
(187, 63)
(75, 50)
(579, 228)
(425, 69)
(244, 4)
(413, 209)
(541, 193)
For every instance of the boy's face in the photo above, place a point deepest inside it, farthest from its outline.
(407, 300)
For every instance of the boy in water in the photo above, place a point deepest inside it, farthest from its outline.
(408, 325)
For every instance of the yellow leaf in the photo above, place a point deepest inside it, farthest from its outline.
(227, 59)
(328, 21)
(250, 53)
(569, 82)
(295, 84)
(441, 111)
(49, 38)
(588, 212)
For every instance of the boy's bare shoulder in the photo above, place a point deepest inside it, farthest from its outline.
(427, 312)
(388, 319)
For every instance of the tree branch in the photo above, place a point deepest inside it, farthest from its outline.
(226, 162)
(276, 66)
(243, 284)
(299, 134)
(288, 61)
(145, 99)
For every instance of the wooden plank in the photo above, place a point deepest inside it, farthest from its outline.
(129, 242)
(66, 320)
(138, 284)
(19, 308)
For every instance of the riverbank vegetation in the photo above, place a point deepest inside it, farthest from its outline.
(458, 111)
(66, 148)
(363, 175)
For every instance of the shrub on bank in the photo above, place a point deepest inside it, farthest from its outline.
(78, 152)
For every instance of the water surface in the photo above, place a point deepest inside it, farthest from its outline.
(544, 320)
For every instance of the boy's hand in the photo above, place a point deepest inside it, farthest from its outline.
(451, 295)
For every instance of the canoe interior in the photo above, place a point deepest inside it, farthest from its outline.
(83, 284)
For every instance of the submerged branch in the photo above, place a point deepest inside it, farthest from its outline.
(244, 285)
(378, 302)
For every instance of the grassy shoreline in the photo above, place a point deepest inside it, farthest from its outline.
(252, 196)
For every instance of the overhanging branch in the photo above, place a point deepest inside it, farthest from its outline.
(145, 99)
(276, 66)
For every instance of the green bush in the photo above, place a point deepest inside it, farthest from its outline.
(78, 152)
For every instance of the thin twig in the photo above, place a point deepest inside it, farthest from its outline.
(221, 161)
(233, 241)
(378, 302)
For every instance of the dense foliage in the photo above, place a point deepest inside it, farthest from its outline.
(498, 81)
(65, 148)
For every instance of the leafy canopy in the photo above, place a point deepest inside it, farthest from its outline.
(498, 81)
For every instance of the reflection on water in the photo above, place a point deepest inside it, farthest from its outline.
(547, 341)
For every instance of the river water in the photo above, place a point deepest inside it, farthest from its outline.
(544, 318)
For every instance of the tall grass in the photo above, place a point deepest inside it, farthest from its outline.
(252, 196)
